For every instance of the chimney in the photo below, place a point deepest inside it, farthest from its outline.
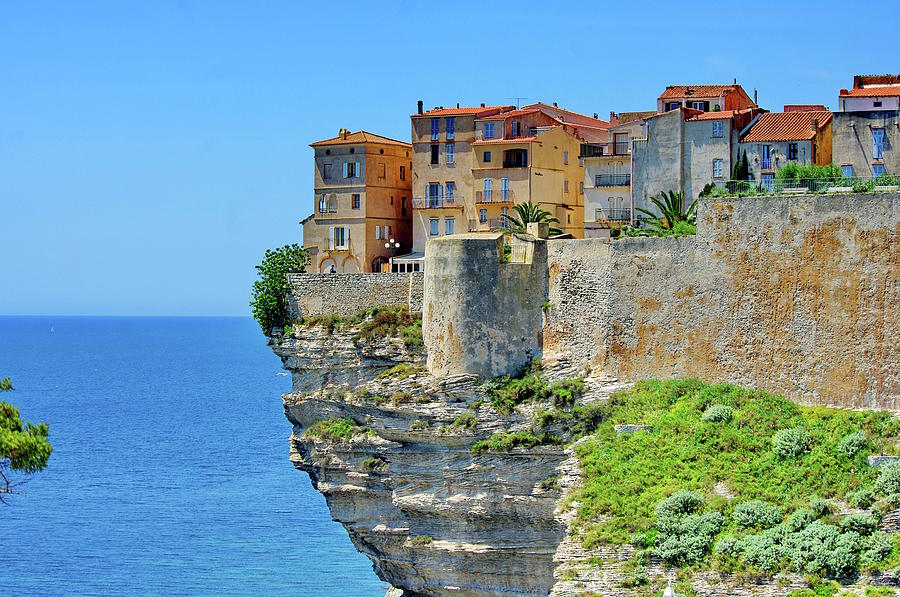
(754, 96)
(346, 133)
(457, 104)
(596, 116)
(735, 81)
(815, 124)
(554, 105)
(482, 104)
(421, 104)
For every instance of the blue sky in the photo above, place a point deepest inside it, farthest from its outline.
(151, 152)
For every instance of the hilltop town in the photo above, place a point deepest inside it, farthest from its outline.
(378, 200)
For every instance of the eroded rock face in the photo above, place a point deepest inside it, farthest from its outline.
(434, 518)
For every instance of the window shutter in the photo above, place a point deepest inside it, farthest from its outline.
(331, 239)
(345, 169)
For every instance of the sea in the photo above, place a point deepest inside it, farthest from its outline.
(170, 471)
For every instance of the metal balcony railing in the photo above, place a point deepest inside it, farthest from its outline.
(500, 196)
(833, 184)
(612, 180)
(613, 215)
(766, 163)
(595, 150)
(436, 202)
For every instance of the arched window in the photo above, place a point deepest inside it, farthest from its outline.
(323, 205)
(332, 205)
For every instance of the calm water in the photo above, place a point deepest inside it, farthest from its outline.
(170, 470)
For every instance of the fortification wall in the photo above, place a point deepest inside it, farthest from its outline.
(348, 294)
(796, 295)
(481, 315)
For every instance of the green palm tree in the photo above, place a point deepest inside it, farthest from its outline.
(671, 211)
(529, 212)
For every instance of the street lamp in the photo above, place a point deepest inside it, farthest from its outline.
(392, 245)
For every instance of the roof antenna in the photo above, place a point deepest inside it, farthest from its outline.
(518, 100)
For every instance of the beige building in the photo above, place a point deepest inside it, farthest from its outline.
(472, 164)
(607, 174)
(363, 199)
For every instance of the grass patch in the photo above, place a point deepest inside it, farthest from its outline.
(381, 322)
(466, 420)
(421, 540)
(529, 385)
(373, 464)
(401, 371)
(506, 441)
(778, 456)
(336, 429)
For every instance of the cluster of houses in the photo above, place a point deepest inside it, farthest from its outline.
(378, 200)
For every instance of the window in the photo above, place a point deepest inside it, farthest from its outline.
(378, 235)
(403, 205)
(402, 172)
(488, 189)
(877, 144)
(435, 128)
(768, 180)
(488, 130)
(566, 157)
(323, 204)
(876, 104)
(565, 186)
(448, 225)
(847, 171)
(766, 156)
(792, 151)
(433, 226)
(355, 197)
(568, 218)
(451, 127)
(672, 106)
(326, 171)
(504, 211)
(580, 162)
(877, 169)
(381, 170)
(482, 215)
(387, 232)
(514, 129)
(339, 238)
(451, 149)
(581, 188)
(504, 189)
(487, 157)
(717, 168)
(434, 154)
(717, 128)
(351, 169)
(697, 105)
(451, 189)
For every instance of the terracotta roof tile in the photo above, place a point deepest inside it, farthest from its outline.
(568, 116)
(476, 111)
(701, 91)
(805, 107)
(887, 91)
(785, 126)
(715, 115)
(359, 137)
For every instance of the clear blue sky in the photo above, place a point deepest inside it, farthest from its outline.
(150, 152)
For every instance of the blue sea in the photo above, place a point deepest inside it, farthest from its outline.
(170, 471)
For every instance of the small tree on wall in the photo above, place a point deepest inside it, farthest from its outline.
(271, 287)
(24, 449)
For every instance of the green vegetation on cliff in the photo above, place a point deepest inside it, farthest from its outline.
(24, 449)
(271, 287)
(377, 322)
(337, 429)
(738, 479)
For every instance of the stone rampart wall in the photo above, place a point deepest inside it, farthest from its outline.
(348, 294)
(796, 295)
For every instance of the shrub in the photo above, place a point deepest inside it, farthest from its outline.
(756, 514)
(401, 398)
(717, 413)
(790, 443)
(466, 420)
(401, 371)
(800, 519)
(679, 504)
(876, 547)
(421, 540)
(372, 464)
(504, 442)
(382, 322)
(853, 444)
(565, 393)
(688, 541)
(821, 549)
(729, 546)
(336, 429)
(765, 551)
(888, 482)
(862, 498)
(860, 524)
(270, 290)
(508, 392)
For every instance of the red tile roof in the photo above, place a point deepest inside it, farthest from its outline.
(477, 111)
(786, 126)
(804, 107)
(498, 141)
(715, 115)
(885, 91)
(701, 91)
(359, 137)
(567, 116)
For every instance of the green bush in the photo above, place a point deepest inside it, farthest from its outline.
(504, 442)
(669, 510)
(862, 498)
(790, 443)
(717, 413)
(685, 540)
(335, 429)
(853, 444)
(466, 420)
(861, 524)
(756, 515)
(766, 550)
(876, 547)
(888, 482)
(729, 546)
(383, 322)
(529, 385)
(271, 288)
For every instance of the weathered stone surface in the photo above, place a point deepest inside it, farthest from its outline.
(880, 461)
(348, 294)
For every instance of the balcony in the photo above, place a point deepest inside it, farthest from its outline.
(612, 180)
(437, 203)
(613, 215)
(602, 150)
(500, 196)
(766, 163)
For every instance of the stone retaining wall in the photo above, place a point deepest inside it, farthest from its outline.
(347, 294)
